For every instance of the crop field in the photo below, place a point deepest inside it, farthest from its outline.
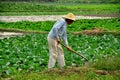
(30, 52)
(25, 57)
(24, 8)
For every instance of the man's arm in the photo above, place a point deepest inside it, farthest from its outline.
(56, 28)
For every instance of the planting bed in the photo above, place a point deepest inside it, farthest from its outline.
(30, 51)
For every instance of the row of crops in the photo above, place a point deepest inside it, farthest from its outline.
(55, 7)
(30, 51)
(112, 24)
(35, 8)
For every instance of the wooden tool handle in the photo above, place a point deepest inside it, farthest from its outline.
(76, 52)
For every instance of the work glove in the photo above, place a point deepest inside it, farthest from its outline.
(58, 41)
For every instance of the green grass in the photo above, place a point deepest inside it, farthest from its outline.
(110, 63)
(79, 25)
(67, 74)
(24, 8)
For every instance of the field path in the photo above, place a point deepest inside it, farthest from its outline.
(9, 34)
(43, 18)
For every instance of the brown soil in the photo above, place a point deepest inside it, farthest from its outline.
(93, 31)
(80, 70)
(117, 15)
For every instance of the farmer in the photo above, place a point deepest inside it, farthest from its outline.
(59, 31)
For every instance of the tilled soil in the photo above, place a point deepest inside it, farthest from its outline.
(9, 34)
(43, 18)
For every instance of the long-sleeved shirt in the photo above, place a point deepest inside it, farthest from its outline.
(59, 31)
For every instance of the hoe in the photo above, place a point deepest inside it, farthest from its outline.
(76, 53)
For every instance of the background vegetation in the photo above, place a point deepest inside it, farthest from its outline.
(34, 8)
(76, 1)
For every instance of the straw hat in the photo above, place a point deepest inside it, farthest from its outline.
(70, 16)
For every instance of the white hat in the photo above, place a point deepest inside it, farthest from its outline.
(70, 16)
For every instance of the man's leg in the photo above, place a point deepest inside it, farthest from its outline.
(61, 61)
(53, 52)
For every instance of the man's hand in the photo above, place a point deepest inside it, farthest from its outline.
(58, 41)
(69, 48)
